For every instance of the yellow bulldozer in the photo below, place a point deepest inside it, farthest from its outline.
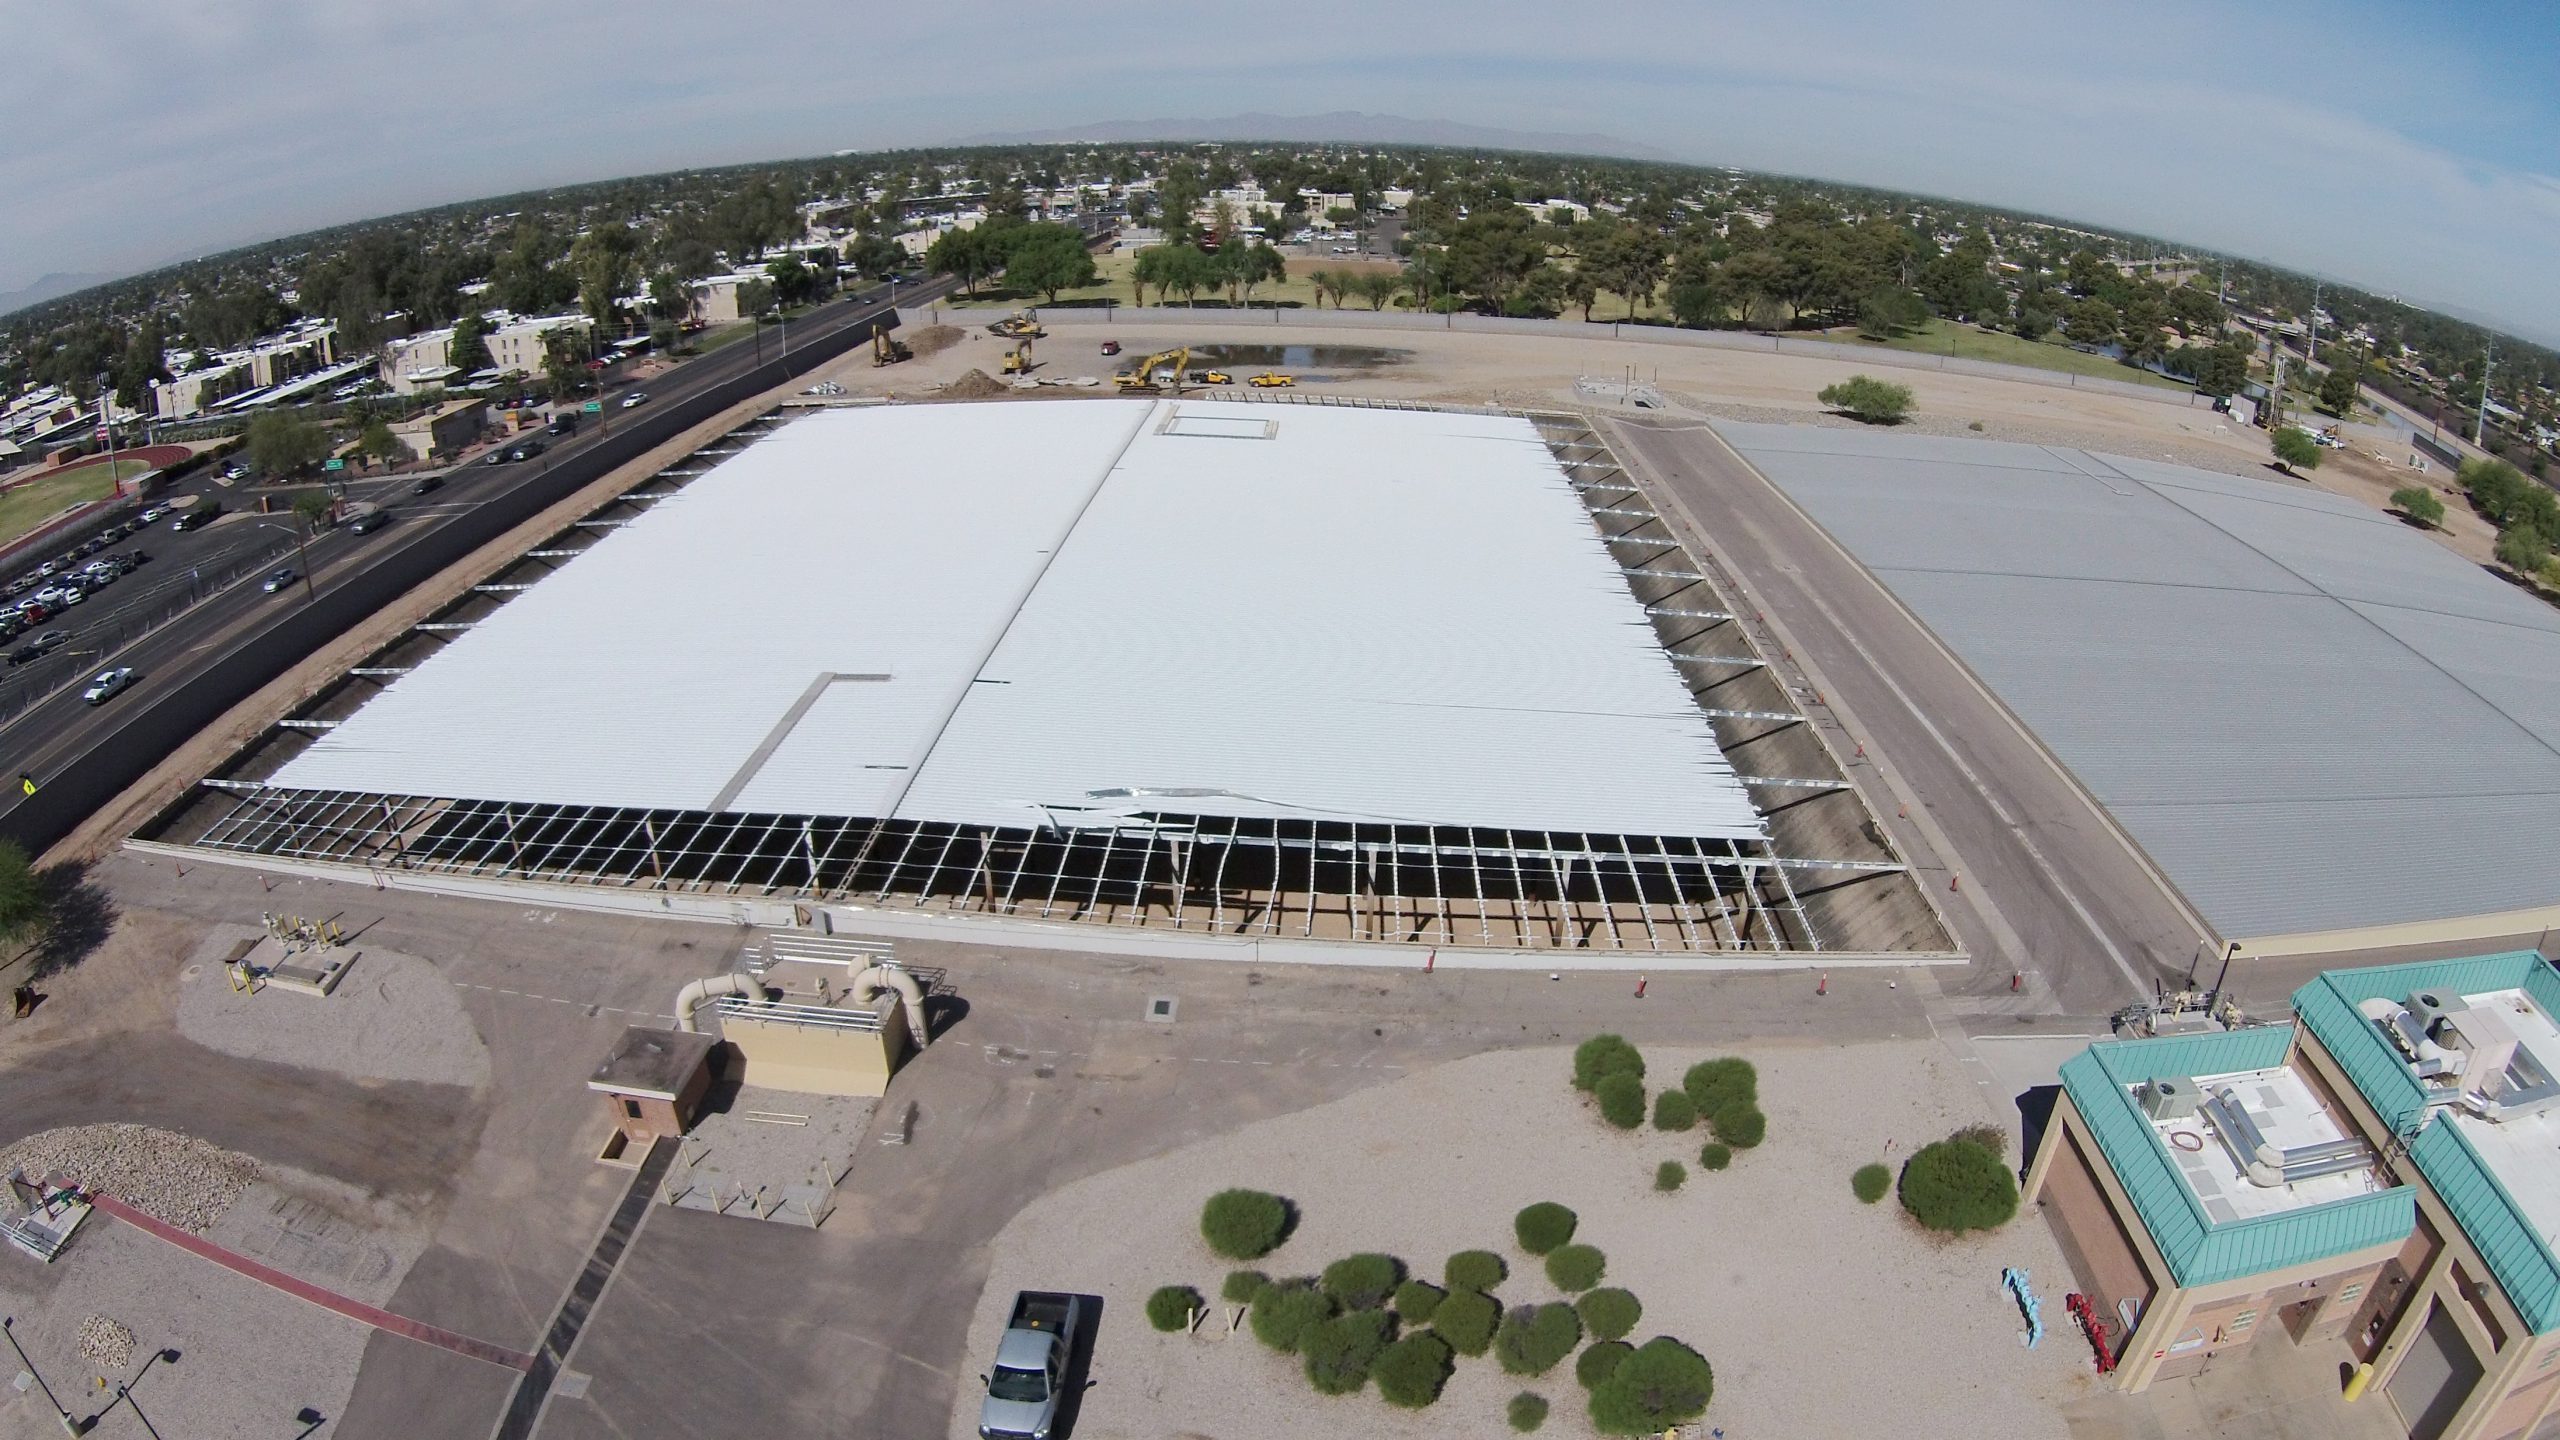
(888, 349)
(1018, 326)
(1017, 359)
(1160, 371)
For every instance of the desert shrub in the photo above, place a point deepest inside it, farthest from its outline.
(1542, 1227)
(1244, 1224)
(1741, 1125)
(1363, 1282)
(1870, 1183)
(1598, 1362)
(1956, 1185)
(1989, 1137)
(1534, 1337)
(1621, 1098)
(1609, 1313)
(1169, 1308)
(1411, 1371)
(1576, 1267)
(1466, 1319)
(1863, 397)
(1604, 1055)
(1713, 1084)
(1475, 1270)
(1286, 1310)
(1670, 1175)
(1526, 1411)
(2418, 503)
(1242, 1285)
(1664, 1383)
(1714, 1155)
(1416, 1300)
(1673, 1110)
(1340, 1351)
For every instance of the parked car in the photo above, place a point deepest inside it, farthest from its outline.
(37, 648)
(73, 595)
(108, 685)
(278, 580)
(1110, 347)
(1030, 1373)
(235, 472)
(636, 397)
(152, 515)
(197, 518)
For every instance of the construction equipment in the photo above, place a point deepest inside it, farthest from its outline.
(1017, 326)
(1017, 359)
(1272, 380)
(1160, 371)
(888, 349)
(1212, 377)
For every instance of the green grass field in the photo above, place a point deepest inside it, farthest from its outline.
(24, 507)
(1940, 337)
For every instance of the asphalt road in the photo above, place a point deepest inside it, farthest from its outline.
(60, 731)
(2023, 863)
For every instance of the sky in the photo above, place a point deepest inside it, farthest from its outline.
(2411, 150)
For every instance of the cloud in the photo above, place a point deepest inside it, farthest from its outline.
(2293, 136)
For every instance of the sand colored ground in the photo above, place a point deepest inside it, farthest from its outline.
(1821, 1316)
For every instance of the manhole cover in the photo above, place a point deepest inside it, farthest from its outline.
(1160, 1009)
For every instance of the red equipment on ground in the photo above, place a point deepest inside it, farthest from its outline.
(2091, 1326)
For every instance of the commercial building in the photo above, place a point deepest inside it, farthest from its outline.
(1217, 667)
(423, 361)
(307, 349)
(2285, 698)
(444, 431)
(2380, 1177)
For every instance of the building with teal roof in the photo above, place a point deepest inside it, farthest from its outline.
(2381, 1176)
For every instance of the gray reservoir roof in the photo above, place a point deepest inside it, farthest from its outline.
(2312, 717)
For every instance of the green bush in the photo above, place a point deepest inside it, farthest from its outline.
(1169, 1308)
(1363, 1282)
(1863, 397)
(1621, 1098)
(1416, 1300)
(1673, 1110)
(1475, 1270)
(1604, 1055)
(1242, 1285)
(1598, 1362)
(1956, 1185)
(1576, 1267)
(1244, 1224)
(1609, 1313)
(1670, 1175)
(1286, 1310)
(1534, 1337)
(1741, 1125)
(1466, 1319)
(1713, 1084)
(1664, 1383)
(1542, 1227)
(2418, 503)
(1989, 1137)
(1340, 1351)
(1411, 1371)
(1870, 1183)
(1715, 1155)
(1527, 1411)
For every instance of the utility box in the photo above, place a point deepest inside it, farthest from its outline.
(653, 1082)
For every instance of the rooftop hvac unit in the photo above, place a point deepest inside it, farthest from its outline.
(2429, 1006)
(2169, 1099)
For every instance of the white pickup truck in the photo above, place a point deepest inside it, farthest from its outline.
(1031, 1367)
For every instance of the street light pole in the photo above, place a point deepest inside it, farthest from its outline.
(70, 1426)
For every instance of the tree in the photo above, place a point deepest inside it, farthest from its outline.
(1257, 264)
(2090, 322)
(965, 255)
(2338, 390)
(1958, 1184)
(468, 350)
(874, 255)
(1380, 286)
(605, 260)
(380, 445)
(281, 444)
(25, 905)
(2295, 449)
(1048, 258)
(1663, 1384)
(562, 374)
(311, 507)
(1890, 310)
(2523, 549)
(2420, 504)
(1878, 402)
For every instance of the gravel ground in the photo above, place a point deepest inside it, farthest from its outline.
(161, 1173)
(1822, 1316)
(725, 1149)
(394, 1017)
(329, 1233)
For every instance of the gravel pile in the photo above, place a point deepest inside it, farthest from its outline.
(974, 385)
(394, 1017)
(106, 1343)
(163, 1174)
(933, 340)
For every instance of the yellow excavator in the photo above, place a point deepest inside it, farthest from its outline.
(1017, 359)
(887, 349)
(1160, 371)
(1018, 326)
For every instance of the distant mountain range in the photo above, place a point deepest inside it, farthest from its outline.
(56, 284)
(1339, 127)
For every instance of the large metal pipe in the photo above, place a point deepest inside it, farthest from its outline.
(690, 998)
(869, 982)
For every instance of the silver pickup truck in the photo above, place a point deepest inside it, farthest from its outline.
(1031, 1367)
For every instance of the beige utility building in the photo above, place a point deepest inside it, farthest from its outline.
(814, 1014)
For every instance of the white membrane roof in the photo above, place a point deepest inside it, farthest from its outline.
(1016, 613)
